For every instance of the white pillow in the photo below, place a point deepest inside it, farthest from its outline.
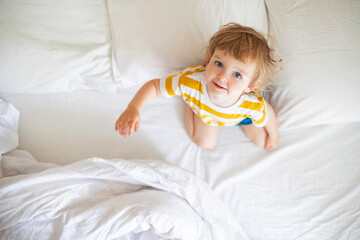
(319, 42)
(157, 37)
(52, 46)
(9, 122)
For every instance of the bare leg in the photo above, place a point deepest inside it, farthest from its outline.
(267, 136)
(205, 136)
(257, 135)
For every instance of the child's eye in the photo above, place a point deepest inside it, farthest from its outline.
(237, 75)
(219, 64)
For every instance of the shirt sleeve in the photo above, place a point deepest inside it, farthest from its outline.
(262, 116)
(169, 86)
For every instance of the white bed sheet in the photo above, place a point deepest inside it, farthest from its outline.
(108, 199)
(308, 188)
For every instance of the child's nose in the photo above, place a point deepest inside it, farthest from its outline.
(222, 76)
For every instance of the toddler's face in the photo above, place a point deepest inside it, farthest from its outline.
(227, 78)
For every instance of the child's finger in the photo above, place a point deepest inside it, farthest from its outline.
(269, 146)
(128, 130)
(131, 127)
(136, 128)
(122, 130)
(118, 124)
(119, 127)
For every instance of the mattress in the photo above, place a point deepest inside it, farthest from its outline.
(307, 187)
(68, 70)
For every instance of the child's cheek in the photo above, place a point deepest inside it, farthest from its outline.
(206, 75)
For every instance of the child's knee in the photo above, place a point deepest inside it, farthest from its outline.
(259, 140)
(256, 135)
(204, 143)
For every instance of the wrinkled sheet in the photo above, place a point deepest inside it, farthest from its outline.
(9, 122)
(108, 199)
(308, 188)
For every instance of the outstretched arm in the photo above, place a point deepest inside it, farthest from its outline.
(129, 120)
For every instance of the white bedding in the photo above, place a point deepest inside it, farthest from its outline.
(170, 35)
(108, 199)
(308, 188)
(50, 47)
(9, 122)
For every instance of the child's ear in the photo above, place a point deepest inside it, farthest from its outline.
(247, 90)
(208, 57)
(207, 61)
(256, 85)
(253, 86)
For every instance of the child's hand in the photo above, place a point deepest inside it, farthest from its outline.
(271, 142)
(128, 121)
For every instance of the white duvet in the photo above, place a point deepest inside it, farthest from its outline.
(108, 199)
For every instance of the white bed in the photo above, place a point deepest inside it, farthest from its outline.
(71, 69)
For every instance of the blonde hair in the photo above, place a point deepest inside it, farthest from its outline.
(244, 44)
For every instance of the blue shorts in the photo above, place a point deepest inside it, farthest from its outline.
(246, 121)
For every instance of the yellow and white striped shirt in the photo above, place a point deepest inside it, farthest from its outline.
(191, 85)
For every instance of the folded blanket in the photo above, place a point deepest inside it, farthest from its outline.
(9, 121)
(108, 199)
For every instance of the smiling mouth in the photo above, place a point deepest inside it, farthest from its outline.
(218, 86)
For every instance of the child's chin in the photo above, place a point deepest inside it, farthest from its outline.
(217, 93)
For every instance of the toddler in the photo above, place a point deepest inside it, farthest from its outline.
(225, 91)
